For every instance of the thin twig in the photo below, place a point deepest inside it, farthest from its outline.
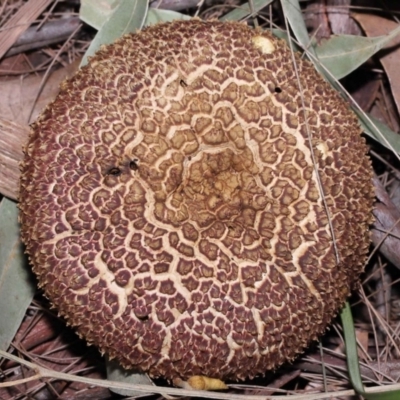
(50, 33)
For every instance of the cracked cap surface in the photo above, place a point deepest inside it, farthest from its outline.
(170, 206)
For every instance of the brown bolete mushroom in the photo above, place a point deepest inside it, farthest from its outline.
(188, 209)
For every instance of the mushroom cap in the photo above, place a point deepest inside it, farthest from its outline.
(171, 201)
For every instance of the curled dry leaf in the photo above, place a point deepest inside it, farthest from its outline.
(378, 26)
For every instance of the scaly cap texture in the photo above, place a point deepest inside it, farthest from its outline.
(171, 209)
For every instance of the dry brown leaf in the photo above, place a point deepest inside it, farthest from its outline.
(18, 95)
(365, 94)
(386, 228)
(378, 26)
(362, 339)
(20, 22)
(12, 138)
(16, 100)
(327, 17)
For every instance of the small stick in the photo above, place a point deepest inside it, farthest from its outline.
(50, 33)
(20, 22)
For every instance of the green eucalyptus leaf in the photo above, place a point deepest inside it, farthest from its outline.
(95, 12)
(353, 363)
(127, 17)
(17, 285)
(244, 10)
(292, 11)
(342, 54)
(379, 131)
(279, 33)
(155, 16)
